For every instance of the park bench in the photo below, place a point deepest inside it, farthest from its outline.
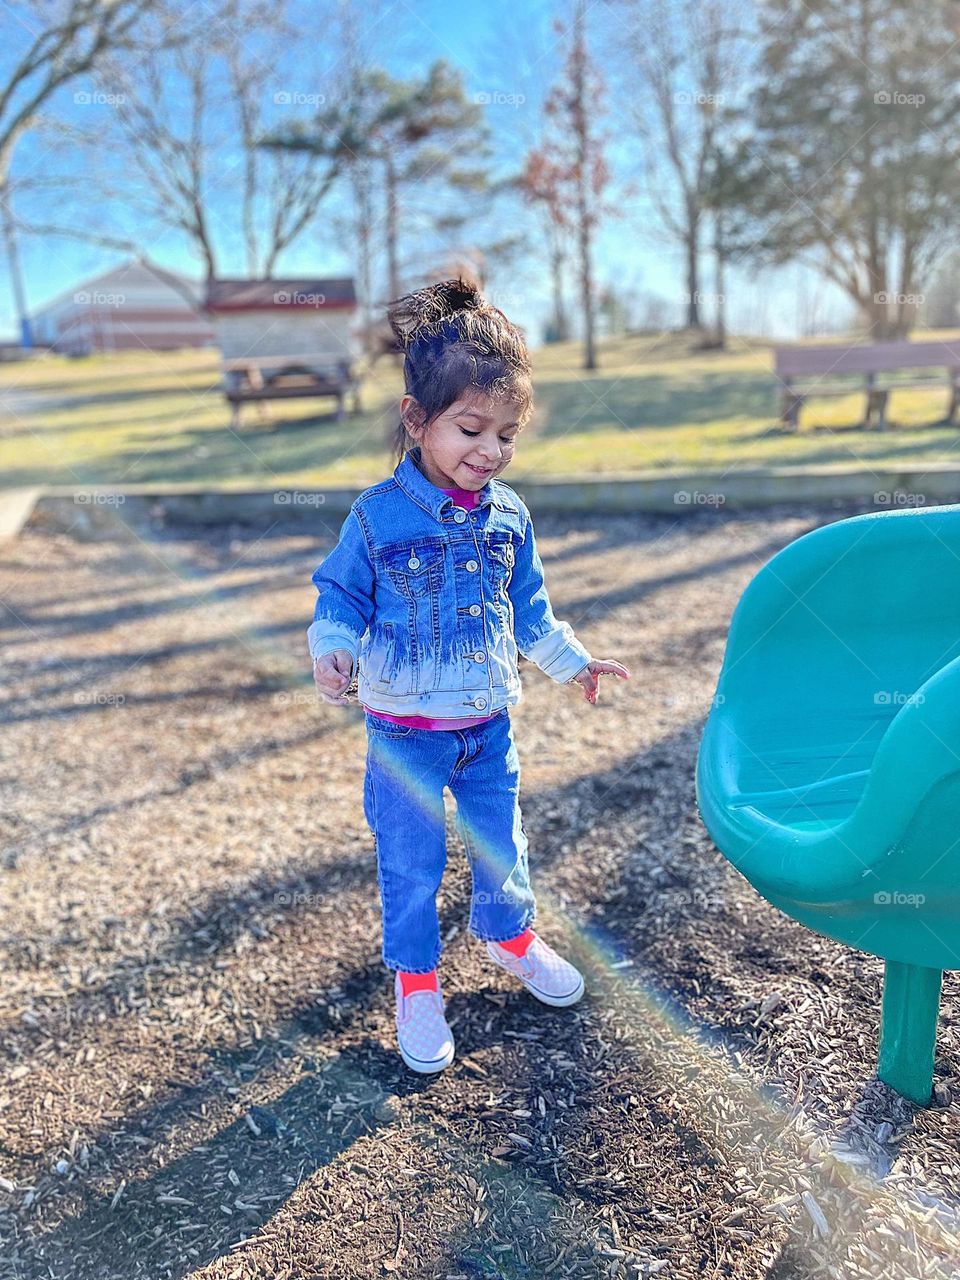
(802, 371)
(256, 379)
(828, 770)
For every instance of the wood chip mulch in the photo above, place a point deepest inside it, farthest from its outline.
(198, 1072)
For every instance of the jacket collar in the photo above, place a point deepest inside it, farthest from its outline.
(424, 492)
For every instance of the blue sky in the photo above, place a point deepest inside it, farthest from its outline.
(498, 56)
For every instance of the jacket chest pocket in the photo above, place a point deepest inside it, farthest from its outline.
(500, 557)
(415, 570)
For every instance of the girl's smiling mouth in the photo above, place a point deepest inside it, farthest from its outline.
(479, 471)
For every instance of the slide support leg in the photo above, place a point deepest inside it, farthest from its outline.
(908, 1029)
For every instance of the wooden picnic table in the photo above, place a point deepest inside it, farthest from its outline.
(256, 379)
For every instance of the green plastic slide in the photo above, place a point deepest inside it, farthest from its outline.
(829, 767)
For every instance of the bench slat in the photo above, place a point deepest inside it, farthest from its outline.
(321, 358)
(857, 388)
(879, 357)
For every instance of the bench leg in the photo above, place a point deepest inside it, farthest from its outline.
(877, 405)
(340, 407)
(790, 410)
(951, 418)
(235, 416)
(882, 399)
(908, 1029)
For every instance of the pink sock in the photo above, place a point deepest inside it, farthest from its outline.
(418, 981)
(519, 944)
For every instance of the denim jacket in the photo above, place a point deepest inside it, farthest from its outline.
(433, 602)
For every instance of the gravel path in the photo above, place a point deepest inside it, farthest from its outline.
(198, 1067)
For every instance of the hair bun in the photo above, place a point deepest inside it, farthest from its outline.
(423, 312)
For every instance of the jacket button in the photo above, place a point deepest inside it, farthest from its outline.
(479, 657)
(480, 703)
(413, 563)
(459, 515)
(475, 609)
(472, 566)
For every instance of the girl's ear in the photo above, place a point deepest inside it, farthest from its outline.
(411, 414)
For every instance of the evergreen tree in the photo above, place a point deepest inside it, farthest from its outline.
(853, 162)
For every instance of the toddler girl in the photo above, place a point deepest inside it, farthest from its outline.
(432, 590)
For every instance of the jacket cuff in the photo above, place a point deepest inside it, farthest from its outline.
(321, 639)
(559, 654)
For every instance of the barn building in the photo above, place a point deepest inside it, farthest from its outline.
(132, 307)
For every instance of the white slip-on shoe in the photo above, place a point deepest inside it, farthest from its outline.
(425, 1040)
(545, 974)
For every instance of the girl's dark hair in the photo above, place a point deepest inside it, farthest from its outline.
(454, 340)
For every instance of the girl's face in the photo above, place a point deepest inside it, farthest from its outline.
(469, 443)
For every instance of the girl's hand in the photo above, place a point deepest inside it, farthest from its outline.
(331, 675)
(588, 677)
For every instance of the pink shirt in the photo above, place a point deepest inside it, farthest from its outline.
(463, 498)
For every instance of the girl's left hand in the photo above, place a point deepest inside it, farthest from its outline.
(588, 677)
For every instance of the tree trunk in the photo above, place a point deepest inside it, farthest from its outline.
(583, 179)
(586, 276)
(906, 310)
(13, 262)
(560, 323)
(361, 186)
(720, 257)
(392, 267)
(693, 269)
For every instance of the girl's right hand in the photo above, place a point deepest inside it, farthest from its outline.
(331, 675)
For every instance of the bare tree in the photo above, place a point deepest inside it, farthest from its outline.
(410, 135)
(206, 140)
(542, 184)
(574, 156)
(69, 45)
(688, 53)
(861, 178)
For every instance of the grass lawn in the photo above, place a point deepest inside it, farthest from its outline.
(161, 418)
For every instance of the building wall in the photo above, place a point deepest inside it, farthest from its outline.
(126, 309)
(291, 332)
(90, 329)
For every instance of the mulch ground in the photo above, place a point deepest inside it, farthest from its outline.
(199, 1074)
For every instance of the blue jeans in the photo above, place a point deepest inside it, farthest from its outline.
(407, 770)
